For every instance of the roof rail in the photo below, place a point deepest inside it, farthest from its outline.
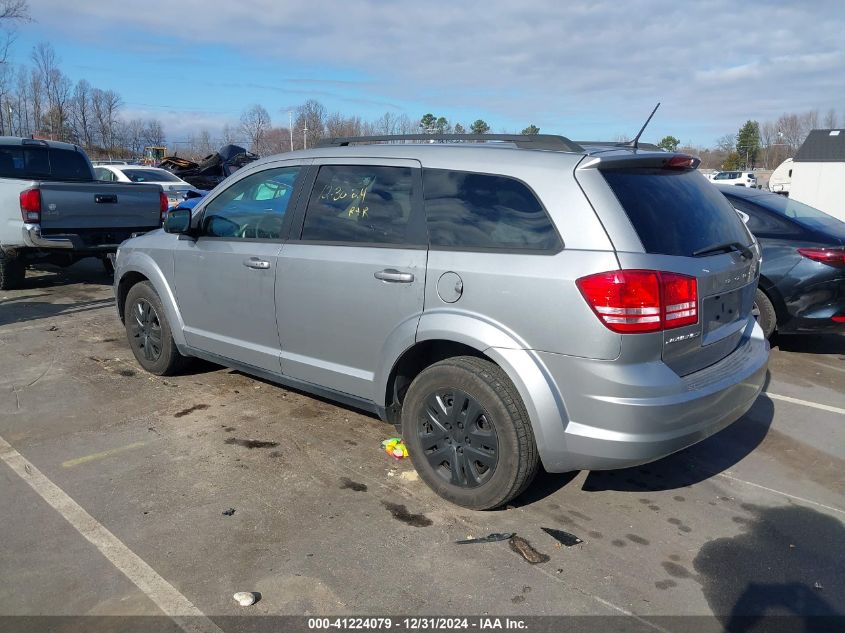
(523, 141)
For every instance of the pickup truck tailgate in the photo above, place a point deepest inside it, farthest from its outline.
(74, 206)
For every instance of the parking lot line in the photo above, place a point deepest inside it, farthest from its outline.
(780, 492)
(70, 463)
(806, 403)
(188, 617)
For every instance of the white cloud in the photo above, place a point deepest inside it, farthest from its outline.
(713, 64)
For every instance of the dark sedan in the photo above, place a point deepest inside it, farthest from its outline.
(802, 278)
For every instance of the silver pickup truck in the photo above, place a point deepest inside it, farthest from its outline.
(53, 210)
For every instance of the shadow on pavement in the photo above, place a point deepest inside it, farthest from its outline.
(788, 561)
(810, 344)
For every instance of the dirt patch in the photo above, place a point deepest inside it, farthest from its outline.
(400, 513)
(189, 410)
(347, 484)
(251, 443)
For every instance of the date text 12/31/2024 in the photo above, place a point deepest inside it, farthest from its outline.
(417, 624)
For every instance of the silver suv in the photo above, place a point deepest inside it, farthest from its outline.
(508, 303)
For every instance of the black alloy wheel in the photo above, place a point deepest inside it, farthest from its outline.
(458, 439)
(145, 329)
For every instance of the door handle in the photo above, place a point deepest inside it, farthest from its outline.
(394, 276)
(258, 264)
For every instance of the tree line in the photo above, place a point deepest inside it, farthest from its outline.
(757, 145)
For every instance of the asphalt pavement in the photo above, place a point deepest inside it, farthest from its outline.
(114, 483)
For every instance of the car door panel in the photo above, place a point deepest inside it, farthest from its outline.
(225, 279)
(339, 302)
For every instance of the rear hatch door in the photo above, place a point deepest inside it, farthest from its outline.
(686, 226)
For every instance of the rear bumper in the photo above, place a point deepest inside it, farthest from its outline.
(98, 240)
(32, 237)
(811, 307)
(625, 415)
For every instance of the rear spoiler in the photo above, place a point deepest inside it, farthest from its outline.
(646, 160)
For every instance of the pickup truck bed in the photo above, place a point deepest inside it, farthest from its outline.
(53, 210)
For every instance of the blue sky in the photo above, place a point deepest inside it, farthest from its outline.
(583, 69)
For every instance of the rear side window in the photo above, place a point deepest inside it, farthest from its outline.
(468, 210)
(42, 163)
(364, 204)
(675, 212)
(761, 221)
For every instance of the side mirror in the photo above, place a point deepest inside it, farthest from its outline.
(178, 221)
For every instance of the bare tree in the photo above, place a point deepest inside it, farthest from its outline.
(275, 140)
(726, 142)
(336, 124)
(11, 13)
(106, 104)
(82, 114)
(153, 133)
(310, 123)
(228, 134)
(255, 121)
(203, 144)
(830, 119)
(810, 120)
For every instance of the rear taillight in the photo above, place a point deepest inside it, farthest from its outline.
(31, 206)
(629, 301)
(163, 205)
(831, 256)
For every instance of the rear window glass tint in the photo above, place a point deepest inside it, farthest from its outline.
(43, 163)
(675, 212)
(468, 210)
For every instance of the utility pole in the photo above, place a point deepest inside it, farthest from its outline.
(290, 127)
(305, 134)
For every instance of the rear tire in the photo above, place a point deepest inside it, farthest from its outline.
(149, 333)
(12, 272)
(468, 433)
(765, 314)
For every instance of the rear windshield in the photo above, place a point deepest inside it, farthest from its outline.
(43, 163)
(675, 212)
(150, 175)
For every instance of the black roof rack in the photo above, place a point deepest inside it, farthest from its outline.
(523, 141)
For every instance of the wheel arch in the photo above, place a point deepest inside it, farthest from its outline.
(141, 267)
(465, 335)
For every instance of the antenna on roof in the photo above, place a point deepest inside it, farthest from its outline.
(636, 140)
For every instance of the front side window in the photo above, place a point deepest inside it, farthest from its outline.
(361, 204)
(253, 207)
(469, 210)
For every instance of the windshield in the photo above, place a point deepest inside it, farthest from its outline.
(675, 212)
(150, 175)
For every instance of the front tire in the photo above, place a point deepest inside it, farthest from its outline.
(149, 333)
(765, 314)
(468, 433)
